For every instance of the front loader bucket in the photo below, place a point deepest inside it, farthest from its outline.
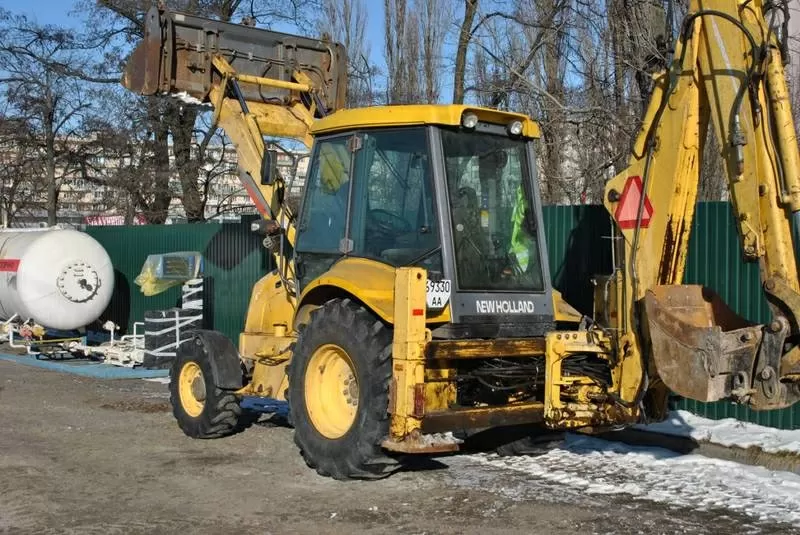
(702, 350)
(176, 57)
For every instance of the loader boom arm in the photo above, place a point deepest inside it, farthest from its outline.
(259, 83)
(727, 71)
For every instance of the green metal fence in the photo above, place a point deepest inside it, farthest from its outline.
(578, 248)
(714, 260)
(234, 260)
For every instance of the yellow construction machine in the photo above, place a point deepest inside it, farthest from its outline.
(411, 297)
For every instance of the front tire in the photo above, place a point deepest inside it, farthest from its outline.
(339, 392)
(201, 409)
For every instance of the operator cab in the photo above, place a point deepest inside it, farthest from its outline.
(451, 189)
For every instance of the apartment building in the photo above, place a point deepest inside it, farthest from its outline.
(90, 197)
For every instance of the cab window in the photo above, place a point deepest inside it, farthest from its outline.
(494, 222)
(393, 217)
(322, 224)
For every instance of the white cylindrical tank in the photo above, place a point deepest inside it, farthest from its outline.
(59, 278)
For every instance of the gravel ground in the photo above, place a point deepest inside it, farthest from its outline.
(80, 455)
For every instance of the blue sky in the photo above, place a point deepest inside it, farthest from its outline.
(43, 11)
(59, 12)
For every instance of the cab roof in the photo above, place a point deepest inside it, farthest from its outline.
(417, 114)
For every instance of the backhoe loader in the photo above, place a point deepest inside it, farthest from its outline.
(411, 299)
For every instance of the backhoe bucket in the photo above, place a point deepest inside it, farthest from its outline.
(702, 350)
(176, 56)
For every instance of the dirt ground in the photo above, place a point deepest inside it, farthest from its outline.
(81, 455)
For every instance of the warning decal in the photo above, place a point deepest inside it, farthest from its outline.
(628, 207)
(9, 264)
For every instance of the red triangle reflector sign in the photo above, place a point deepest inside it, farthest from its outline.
(628, 207)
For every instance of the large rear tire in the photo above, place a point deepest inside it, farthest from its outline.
(339, 392)
(201, 409)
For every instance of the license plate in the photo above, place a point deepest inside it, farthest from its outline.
(438, 293)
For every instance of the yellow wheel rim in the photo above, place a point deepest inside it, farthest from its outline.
(192, 389)
(331, 391)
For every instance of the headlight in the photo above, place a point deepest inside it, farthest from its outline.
(469, 120)
(515, 128)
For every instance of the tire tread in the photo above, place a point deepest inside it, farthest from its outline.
(364, 459)
(221, 417)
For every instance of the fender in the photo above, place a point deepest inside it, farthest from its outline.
(369, 281)
(226, 366)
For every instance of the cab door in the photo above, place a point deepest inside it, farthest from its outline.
(322, 227)
(393, 216)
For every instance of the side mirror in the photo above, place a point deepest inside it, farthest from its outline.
(269, 167)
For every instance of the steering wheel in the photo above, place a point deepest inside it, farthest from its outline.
(388, 223)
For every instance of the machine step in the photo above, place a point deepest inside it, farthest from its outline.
(420, 443)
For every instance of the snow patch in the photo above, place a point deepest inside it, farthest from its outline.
(162, 380)
(183, 96)
(596, 467)
(727, 432)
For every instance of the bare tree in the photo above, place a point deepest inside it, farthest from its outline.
(433, 28)
(120, 21)
(130, 155)
(580, 67)
(400, 60)
(345, 22)
(521, 58)
(464, 37)
(20, 191)
(402, 52)
(551, 37)
(37, 65)
(415, 32)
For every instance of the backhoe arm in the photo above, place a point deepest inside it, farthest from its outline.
(727, 71)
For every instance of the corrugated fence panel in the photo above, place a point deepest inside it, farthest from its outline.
(578, 248)
(715, 260)
(234, 259)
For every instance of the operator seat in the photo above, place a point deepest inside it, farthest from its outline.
(420, 239)
(471, 244)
